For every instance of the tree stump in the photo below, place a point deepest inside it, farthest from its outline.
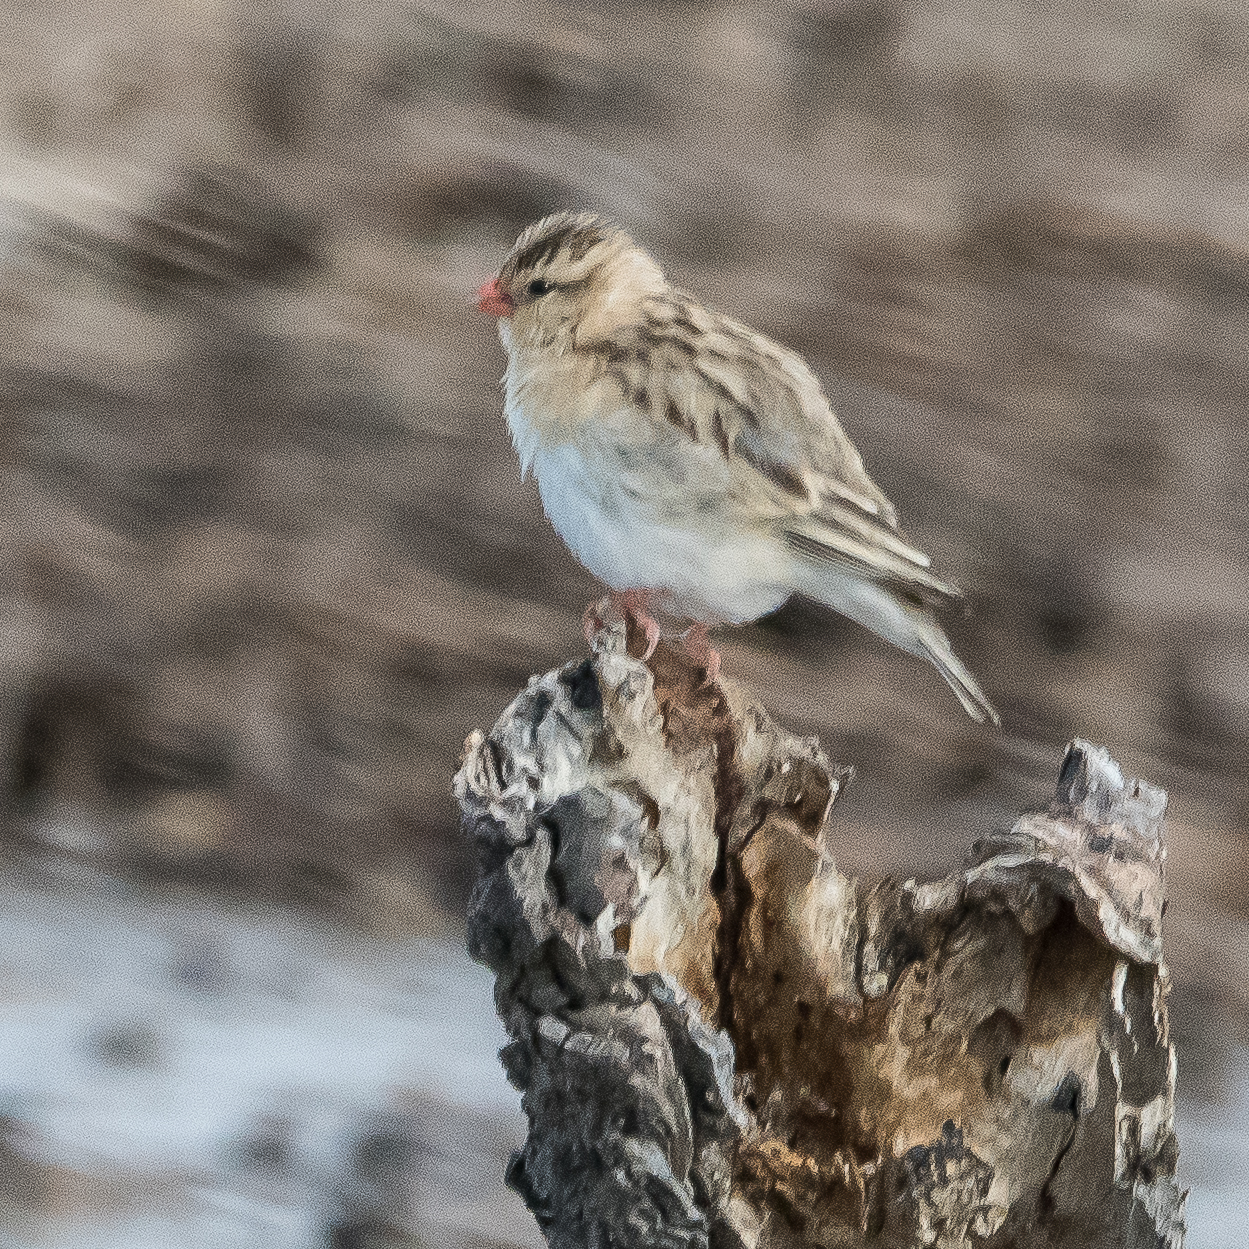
(722, 1041)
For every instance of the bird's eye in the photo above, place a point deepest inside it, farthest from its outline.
(538, 287)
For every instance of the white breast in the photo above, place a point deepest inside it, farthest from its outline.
(643, 508)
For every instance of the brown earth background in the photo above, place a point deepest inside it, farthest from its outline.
(265, 557)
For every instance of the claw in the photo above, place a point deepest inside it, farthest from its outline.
(633, 606)
(651, 629)
(592, 622)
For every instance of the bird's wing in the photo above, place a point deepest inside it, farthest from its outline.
(722, 385)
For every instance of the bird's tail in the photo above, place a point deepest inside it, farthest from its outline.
(936, 647)
(909, 626)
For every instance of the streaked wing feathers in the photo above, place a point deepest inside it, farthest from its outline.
(723, 385)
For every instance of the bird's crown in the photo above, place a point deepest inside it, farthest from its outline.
(563, 242)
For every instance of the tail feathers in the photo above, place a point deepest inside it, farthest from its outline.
(936, 647)
(910, 627)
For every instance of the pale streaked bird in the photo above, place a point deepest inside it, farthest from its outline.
(694, 466)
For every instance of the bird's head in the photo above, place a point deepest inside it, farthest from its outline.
(570, 279)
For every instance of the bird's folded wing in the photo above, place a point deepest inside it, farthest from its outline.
(829, 543)
(724, 385)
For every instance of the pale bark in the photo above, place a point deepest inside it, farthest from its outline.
(723, 1041)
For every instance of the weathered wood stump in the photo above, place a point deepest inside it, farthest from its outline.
(723, 1041)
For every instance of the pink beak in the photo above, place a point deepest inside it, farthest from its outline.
(492, 298)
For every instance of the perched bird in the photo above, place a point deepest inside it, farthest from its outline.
(693, 465)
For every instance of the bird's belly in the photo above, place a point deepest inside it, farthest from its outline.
(709, 565)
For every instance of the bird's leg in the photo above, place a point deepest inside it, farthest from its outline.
(697, 646)
(635, 605)
(592, 621)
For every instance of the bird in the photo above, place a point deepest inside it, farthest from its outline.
(693, 465)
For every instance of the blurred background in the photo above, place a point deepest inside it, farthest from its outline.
(266, 559)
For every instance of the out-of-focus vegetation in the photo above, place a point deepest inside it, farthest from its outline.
(265, 557)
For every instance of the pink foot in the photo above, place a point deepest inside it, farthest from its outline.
(592, 621)
(698, 647)
(633, 606)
